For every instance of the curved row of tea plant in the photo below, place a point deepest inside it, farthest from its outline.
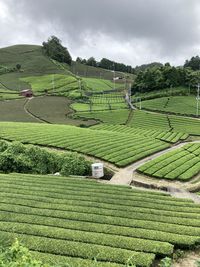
(171, 137)
(163, 122)
(120, 149)
(182, 164)
(176, 104)
(70, 218)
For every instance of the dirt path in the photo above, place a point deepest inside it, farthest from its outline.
(30, 113)
(189, 260)
(126, 175)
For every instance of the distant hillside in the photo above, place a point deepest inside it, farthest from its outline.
(32, 60)
(89, 71)
(33, 63)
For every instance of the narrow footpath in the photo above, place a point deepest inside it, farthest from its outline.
(128, 175)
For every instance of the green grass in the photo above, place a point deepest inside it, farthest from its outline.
(177, 104)
(180, 164)
(120, 149)
(73, 220)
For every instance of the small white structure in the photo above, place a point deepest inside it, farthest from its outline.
(97, 170)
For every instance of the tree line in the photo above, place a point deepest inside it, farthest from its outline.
(149, 77)
(106, 64)
(165, 76)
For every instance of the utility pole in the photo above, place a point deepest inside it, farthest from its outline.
(114, 74)
(197, 98)
(53, 83)
(80, 87)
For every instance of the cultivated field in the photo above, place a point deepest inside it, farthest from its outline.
(54, 109)
(120, 149)
(157, 121)
(181, 164)
(100, 85)
(171, 137)
(62, 83)
(111, 116)
(177, 104)
(74, 221)
(14, 111)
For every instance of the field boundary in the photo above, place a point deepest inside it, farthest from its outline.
(32, 114)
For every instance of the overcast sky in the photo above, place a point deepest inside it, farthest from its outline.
(129, 31)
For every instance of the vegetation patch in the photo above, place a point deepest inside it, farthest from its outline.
(171, 137)
(75, 220)
(177, 104)
(120, 149)
(16, 157)
(181, 164)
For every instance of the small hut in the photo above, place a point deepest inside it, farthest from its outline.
(26, 93)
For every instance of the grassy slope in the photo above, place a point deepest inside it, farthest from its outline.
(177, 104)
(33, 63)
(89, 71)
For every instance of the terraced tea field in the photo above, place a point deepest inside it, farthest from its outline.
(101, 102)
(171, 137)
(111, 116)
(120, 149)
(163, 122)
(100, 85)
(70, 220)
(45, 82)
(181, 164)
(176, 104)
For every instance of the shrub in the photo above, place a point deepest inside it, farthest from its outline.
(16, 157)
(75, 165)
(166, 262)
(18, 256)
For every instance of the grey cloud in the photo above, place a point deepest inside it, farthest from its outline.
(165, 29)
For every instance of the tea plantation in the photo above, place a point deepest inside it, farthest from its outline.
(75, 221)
(181, 164)
(118, 148)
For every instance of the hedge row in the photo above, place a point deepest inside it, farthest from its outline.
(180, 240)
(53, 259)
(111, 198)
(181, 164)
(84, 140)
(139, 244)
(82, 250)
(106, 219)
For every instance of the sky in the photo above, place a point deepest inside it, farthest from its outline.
(134, 32)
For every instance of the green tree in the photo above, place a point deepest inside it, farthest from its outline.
(193, 63)
(54, 49)
(91, 62)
